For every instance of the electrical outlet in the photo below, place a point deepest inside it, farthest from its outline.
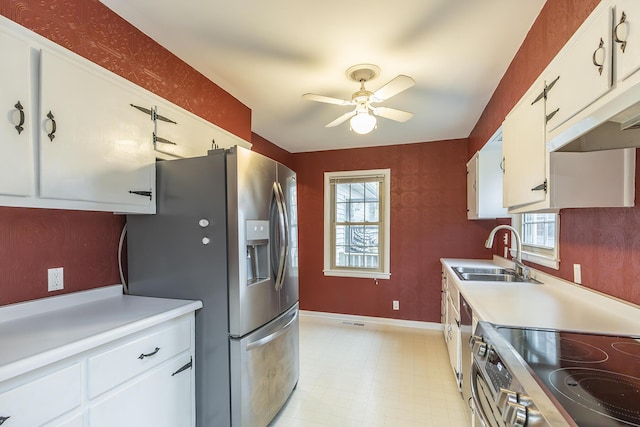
(396, 305)
(577, 273)
(56, 279)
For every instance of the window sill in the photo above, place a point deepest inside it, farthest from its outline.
(545, 261)
(357, 274)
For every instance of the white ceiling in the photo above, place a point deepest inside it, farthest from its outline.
(268, 54)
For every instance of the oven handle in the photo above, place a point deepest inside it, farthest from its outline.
(476, 398)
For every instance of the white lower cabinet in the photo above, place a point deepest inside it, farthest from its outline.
(42, 399)
(144, 379)
(159, 398)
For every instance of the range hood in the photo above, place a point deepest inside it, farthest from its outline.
(612, 122)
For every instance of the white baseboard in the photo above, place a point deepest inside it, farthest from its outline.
(364, 320)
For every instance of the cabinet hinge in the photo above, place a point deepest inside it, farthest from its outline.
(550, 115)
(545, 91)
(188, 365)
(153, 114)
(148, 194)
(542, 186)
(162, 140)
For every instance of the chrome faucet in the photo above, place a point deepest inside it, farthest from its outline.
(521, 269)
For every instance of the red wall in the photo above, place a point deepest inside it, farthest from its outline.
(606, 242)
(428, 221)
(85, 243)
(269, 149)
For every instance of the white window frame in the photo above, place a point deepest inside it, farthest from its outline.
(537, 255)
(386, 227)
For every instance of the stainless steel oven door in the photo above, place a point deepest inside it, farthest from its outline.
(485, 407)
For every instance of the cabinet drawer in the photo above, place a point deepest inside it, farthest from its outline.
(160, 398)
(42, 400)
(113, 367)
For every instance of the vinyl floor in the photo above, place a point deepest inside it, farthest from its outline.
(372, 375)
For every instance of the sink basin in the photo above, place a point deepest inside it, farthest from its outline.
(483, 277)
(490, 274)
(482, 270)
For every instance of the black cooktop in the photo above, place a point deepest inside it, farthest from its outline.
(595, 378)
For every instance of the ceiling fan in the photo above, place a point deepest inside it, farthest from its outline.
(363, 116)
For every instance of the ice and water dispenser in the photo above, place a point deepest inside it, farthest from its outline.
(257, 251)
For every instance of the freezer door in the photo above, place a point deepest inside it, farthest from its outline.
(264, 370)
(253, 290)
(289, 285)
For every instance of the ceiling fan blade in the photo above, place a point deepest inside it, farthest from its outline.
(327, 99)
(392, 113)
(343, 118)
(392, 88)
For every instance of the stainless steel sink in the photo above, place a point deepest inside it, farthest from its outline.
(490, 274)
(482, 270)
(481, 277)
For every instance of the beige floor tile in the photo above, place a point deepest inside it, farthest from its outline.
(372, 376)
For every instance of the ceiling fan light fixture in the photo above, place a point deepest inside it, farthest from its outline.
(363, 122)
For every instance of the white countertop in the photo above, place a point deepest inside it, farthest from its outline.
(554, 304)
(36, 333)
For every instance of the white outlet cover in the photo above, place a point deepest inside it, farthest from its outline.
(55, 279)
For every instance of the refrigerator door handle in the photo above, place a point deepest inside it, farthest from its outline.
(271, 337)
(286, 243)
(281, 230)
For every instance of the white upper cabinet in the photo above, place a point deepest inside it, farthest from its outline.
(484, 181)
(524, 150)
(16, 106)
(583, 73)
(181, 134)
(94, 146)
(626, 35)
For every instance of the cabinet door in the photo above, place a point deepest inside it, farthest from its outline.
(583, 72)
(16, 162)
(41, 400)
(472, 187)
(93, 145)
(161, 398)
(454, 340)
(626, 36)
(524, 151)
(181, 134)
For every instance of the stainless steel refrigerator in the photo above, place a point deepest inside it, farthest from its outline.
(225, 232)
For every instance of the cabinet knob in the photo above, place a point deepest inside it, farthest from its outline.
(206, 240)
(203, 223)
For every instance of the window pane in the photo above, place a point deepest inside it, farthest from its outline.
(372, 212)
(341, 235)
(371, 236)
(343, 192)
(356, 212)
(341, 212)
(357, 191)
(372, 191)
(342, 259)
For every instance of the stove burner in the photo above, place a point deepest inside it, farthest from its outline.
(568, 350)
(629, 348)
(607, 393)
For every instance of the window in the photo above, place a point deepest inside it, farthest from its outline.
(540, 236)
(356, 223)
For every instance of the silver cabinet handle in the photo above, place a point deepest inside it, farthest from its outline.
(623, 43)
(52, 134)
(3, 419)
(19, 127)
(153, 353)
(593, 57)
